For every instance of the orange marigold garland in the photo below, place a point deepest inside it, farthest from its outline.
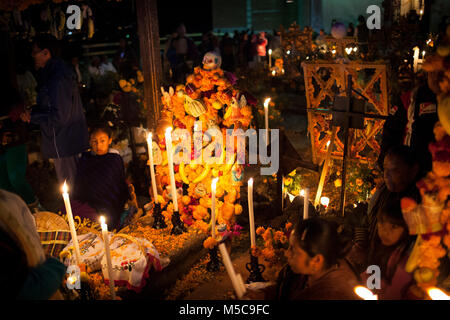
(208, 96)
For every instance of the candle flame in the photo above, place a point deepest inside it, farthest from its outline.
(168, 130)
(302, 192)
(355, 49)
(72, 279)
(270, 51)
(333, 51)
(288, 52)
(437, 294)
(102, 219)
(213, 183)
(328, 143)
(273, 72)
(365, 293)
(149, 137)
(266, 102)
(250, 182)
(325, 201)
(64, 187)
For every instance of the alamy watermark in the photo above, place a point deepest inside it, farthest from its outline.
(374, 281)
(374, 20)
(211, 147)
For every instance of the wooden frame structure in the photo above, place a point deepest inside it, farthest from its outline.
(318, 88)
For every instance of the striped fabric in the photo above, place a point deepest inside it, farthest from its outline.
(54, 242)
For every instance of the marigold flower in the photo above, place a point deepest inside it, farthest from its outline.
(260, 231)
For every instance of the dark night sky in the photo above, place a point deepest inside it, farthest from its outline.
(196, 15)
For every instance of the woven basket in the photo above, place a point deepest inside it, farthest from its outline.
(53, 231)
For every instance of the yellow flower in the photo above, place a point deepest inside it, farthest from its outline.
(293, 173)
(338, 183)
(288, 181)
(210, 243)
(122, 83)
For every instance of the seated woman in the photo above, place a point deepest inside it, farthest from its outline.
(390, 251)
(100, 186)
(315, 270)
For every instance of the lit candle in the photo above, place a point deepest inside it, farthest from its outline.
(266, 113)
(437, 294)
(416, 58)
(230, 270)
(71, 223)
(306, 204)
(365, 293)
(241, 283)
(270, 58)
(251, 217)
(173, 189)
(325, 201)
(213, 207)
(108, 256)
(274, 73)
(152, 169)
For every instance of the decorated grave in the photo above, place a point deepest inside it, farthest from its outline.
(155, 249)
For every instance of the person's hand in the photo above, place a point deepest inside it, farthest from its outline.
(251, 294)
(25, 116)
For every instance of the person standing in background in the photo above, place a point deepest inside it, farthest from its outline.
(59, 111)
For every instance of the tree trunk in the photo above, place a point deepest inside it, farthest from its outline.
(151, 57)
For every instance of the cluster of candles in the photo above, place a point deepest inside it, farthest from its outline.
(76, 245)
(349, 50)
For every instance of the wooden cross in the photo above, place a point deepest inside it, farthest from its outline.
(348, 112)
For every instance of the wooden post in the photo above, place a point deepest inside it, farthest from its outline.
(151, 57)
(325, 167)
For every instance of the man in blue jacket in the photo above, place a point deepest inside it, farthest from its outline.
(59, 111)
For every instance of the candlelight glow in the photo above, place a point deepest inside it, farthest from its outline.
(168, 130)
(355, 49)
(273, 72)
(333, 51)
(348, 50)
(213, 183)
(266, 102)
(325, 201)
(102, 220)
(302, 192)
(288, 52)
(328, 143)
(64, 187)
(72, 279)
(437, 294)
(270, 51)
(250, 182)
(365, 293)
(149, 137)
(423, 54)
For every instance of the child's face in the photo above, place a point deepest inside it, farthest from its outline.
(100, 143)
(388, 232)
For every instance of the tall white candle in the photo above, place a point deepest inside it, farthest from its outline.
(213, 207)
(416, 58)
(266, 114)
(270, 58)
(73, 232)
(152, 169)
(173, 189)
(241, 282)
(251, 217)
(108, 256)
(306, 204)
(230, 270)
